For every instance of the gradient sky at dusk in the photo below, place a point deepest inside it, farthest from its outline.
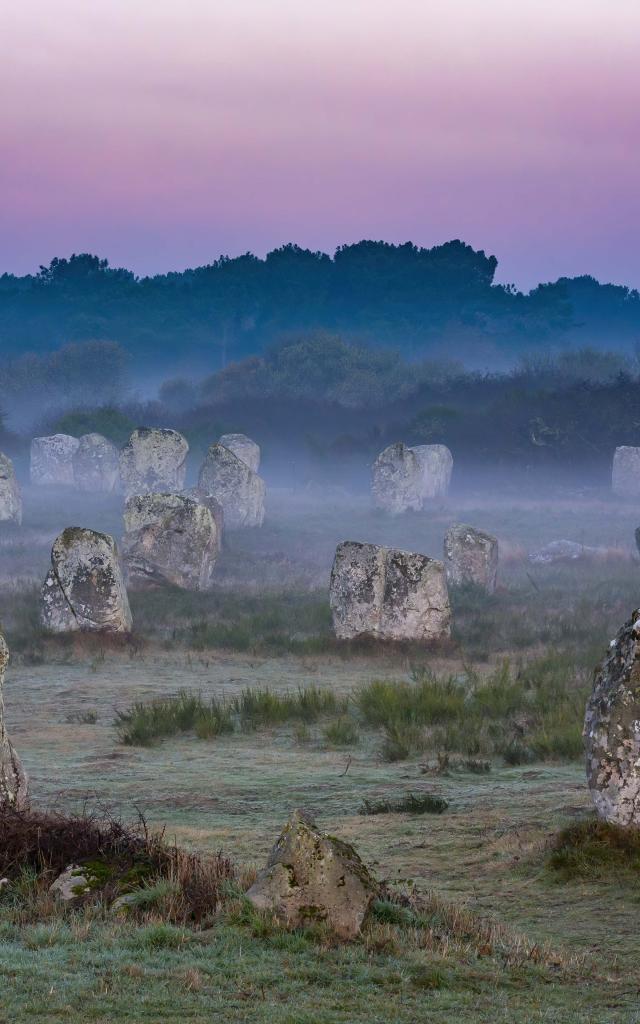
(161, 133)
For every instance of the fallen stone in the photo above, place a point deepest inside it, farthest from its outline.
(565, 551)
(436, 463)
(470, 556)
(84, 589)
(153, 460)
(239, 490)
(612, 730)
(52, 459)
(10, 496)
(625, 474)
(96, 464)
(397, 480)
(311, 877)
(244, 448)
(14, 784)
(171, 539)
(388, 594)
(72, 885)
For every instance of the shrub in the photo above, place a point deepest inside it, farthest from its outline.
(342, 733)
(424, 803)
(595, 849)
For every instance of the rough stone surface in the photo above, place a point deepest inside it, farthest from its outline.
(96, 464)
(312, 877)
(625, 475)
(214, 507)
(239, 490)
(170, 538)
(52, 459)
(397, 480)
(244, 448)
(10, 496)
(14, 785)
(436, 463)
(388, 594)
(564, 551)
(612, 730)
(84, 589)
(470, 556)
(153, 459)
(71, 885)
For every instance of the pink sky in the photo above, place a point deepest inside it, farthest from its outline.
(161, 133)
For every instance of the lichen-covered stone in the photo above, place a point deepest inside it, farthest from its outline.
(10, 495)
(311, 877)
(170, 538)
(565, 551)
(14, 785)
(470, 556)
(84, 589)
(52, 459)
(233, 483)
(244, 448)
(96, 464)
(612, 730)
(72, 885)
(214, 507)
(388, 594)
(153, 460)
(436, 463)
(625, 474)
(397, 480)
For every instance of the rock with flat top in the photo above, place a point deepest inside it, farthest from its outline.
(612, 730)
(170, 538)
(311, 877)
(52, 460)
(388, 594)
(236, 487)
(96, 464)
(10, 495)
(153, 460)
(84, 589)
(625, 474)
(471, 557)
(436, 465)
(244, 448)
(14, 784)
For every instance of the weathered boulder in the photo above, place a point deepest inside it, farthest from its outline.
(14, 785)
(312, 877)
(625, 475)
(233, 483)
(10, 496)
(96, 464)
(70, 886)
(52, 459)
(470, 556)
(244, 448)
(612, 730)
(397, 480)
(388, 594)
(170, 538)
(214, 507)
(564, 551)
(84, 589)
(153, 460)
(436, 462)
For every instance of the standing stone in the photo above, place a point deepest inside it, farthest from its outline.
(471, 556)
(388, 594)
(397, 480)
(52, 459)
(84, 589)
(10, 496)
(153, 460)
(14, 785)
(239, 490)
(311, 877)
(436, 462)
(244, 448)
(170, 538)
(625, 475)
(214, 507)
(96, 464)
(612, 730)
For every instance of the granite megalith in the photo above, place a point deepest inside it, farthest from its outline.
(470, 556)
(10, 494)
(233, 483)
(84, 589)
(153, 460)
(170, 538)
(52, 460)
(14, 785)
(96, 464)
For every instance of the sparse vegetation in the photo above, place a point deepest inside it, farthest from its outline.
(595, 849)
(422, 803)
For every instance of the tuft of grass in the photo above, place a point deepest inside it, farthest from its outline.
(595, 849)
(257, 707)
(342, 733)
(423, 803)
(144, 724)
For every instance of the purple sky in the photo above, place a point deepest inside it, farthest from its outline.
(161, 133)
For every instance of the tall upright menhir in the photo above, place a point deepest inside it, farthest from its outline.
(14, 785)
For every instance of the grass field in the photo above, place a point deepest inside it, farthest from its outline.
(503, 927)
